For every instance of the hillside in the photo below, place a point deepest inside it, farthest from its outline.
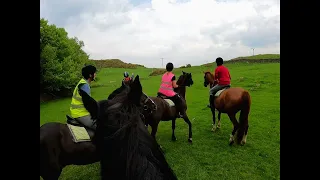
(260, 58)
(115, 63)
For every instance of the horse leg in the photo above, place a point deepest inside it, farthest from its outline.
(53, 175)
(154, 128)
(212, 108)
(173, 137)
(244, 139)
(186, 119)
(51, 171)
(235, 127)
(219, 118)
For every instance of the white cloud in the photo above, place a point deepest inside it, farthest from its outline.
(195, 31)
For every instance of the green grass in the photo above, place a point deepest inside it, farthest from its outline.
(210, 156)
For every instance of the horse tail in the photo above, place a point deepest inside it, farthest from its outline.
(244, 115)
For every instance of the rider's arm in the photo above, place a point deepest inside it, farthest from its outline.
(174, 82)
(216, 75)
(86, 88)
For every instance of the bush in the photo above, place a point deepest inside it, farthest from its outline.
(157, 72)
(188, 65)
(61, 59)
(114, 63)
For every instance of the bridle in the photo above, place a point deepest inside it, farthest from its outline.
(145, 107)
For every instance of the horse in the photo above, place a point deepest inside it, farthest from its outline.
(165, 108)
(58, 148)
(230, 100)
(126, 148)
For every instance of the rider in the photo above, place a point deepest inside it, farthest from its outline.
(126, 77)
(77, 109)
(221, 76)
(166, 88)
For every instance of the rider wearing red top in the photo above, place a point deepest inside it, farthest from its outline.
(221, 76)
(127, 78)
(166, 88)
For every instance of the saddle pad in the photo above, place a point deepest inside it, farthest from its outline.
(219, 92)
(79, 134)
(170, 102)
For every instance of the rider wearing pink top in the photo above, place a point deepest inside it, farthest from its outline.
(168, 83)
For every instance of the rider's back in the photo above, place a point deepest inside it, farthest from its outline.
(166, 87)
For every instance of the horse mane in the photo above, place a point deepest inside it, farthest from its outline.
(133, 144)
(181, 79)
(211, 75)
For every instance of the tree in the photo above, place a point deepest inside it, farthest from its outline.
(61, 58)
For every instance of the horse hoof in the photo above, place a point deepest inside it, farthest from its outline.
(173, 138)
(190, 140)
(231, 140)
(213, 129)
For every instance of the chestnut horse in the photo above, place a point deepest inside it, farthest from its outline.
(230, 101)
(165, 111)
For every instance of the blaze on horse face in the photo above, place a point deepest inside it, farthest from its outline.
(188, 82)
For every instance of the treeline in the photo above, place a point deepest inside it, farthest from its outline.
(260, 58)
(114, 63)
(61, 59)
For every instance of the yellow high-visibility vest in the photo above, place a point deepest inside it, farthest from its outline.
(77, 108)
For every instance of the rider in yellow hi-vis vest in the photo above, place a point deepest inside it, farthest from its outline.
(77, 109)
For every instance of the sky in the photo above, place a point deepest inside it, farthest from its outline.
(179, 31)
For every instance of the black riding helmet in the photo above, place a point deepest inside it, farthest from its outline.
(87, 70)
(219, 61)
(169, 66)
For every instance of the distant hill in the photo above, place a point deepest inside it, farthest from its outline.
(114, 63)
(260, 58)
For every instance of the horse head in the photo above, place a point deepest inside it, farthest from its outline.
(208, 79)
(185, 79)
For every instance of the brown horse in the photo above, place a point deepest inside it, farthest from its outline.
(230, 101)
(165, 108)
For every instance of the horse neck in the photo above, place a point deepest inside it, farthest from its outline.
(181, 90)
(210, 78)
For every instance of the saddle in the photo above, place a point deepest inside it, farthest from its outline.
(74, 122)
(220, 91)
(160, 95)
(166, 98)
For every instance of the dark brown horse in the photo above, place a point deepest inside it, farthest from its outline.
(230, 101)
(127, 150)
(166, 111)
(58, 149)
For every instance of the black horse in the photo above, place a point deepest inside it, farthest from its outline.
(57, 148)
(126, 148)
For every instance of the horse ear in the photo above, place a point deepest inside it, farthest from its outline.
(89, 103)
(183, 72)
(136, 90)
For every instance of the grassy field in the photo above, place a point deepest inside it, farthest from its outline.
(210, 156)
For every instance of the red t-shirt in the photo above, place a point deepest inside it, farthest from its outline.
(222, 74)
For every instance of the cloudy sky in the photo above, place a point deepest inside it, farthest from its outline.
(180, 31)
